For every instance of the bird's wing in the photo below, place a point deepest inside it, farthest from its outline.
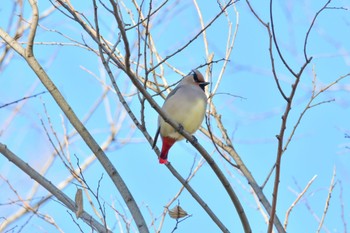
(173, 92)
(158, 130)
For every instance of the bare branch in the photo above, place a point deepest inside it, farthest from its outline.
(273, 33)
(310, 104)
(121, 27)
(342, 215)
(33, 26)
(89, 140)
(148, 137)
(133, 57)
(186, 135)
(301, 194)
(176, 196)
(330, 190)
(24, 98)
(48, 186)
(311, 26)
(194, 38)
(272, 59)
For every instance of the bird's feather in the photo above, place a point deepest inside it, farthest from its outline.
(156, 137)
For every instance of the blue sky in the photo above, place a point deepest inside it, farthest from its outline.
(252, 122)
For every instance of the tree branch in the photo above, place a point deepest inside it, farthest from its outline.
(33, 26)
(69, 203)
(148, 137)
(301, 194)
(330, 191)
(84, 133)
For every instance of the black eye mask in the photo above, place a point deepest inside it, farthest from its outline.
(195, 77)
(201, 83)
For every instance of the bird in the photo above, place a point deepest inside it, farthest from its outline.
(186, 104)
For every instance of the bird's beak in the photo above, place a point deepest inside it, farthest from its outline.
(203, 84)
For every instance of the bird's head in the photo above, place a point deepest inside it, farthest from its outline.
(195, 78)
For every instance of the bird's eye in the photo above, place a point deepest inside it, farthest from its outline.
(195, 77)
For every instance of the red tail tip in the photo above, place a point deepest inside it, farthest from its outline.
(163, 161)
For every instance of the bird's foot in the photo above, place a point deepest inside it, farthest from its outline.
(163, 161)
(194, 139)
(181, 128)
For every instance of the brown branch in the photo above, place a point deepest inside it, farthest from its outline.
(276, 43)
(267, 26)
(311, 26)
(280, 138)
(289, 99)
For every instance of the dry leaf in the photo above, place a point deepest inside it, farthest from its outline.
(177, 212)
(79, 203)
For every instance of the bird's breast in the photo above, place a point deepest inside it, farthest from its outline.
(187, 109)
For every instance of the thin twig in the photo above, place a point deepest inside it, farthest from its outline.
(171, 168)
(211, 162)
(311, 26)
(85, 134)
(330, 191)
(248, 175)
(176, 196)
(342, 213)
(128, 198)
(309, 207)
(273, 33)
(310, 104)
(70, 204)
(272, 59)
(280, 138)
(51, 158)
(24, 98)
(301, 194)
(195, 37)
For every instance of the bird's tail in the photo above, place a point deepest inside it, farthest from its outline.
(167, 144)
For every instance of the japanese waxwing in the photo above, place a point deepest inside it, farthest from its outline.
(185, 104)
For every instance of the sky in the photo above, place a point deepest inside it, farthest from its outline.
(248, 101)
